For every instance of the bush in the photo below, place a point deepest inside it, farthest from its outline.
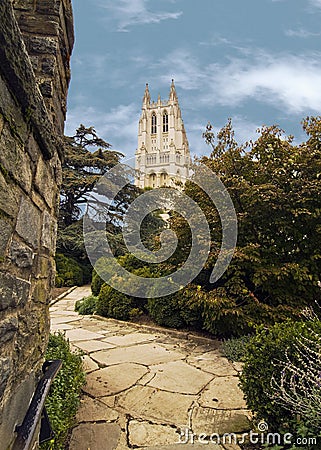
(63, 399)
(86, 305)
(177, 310)
(235, 349)
(166, 311)
(266, 351)
(114, 304)
(103, 267)
(69, 272)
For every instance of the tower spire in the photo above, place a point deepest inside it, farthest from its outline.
(146, 99)
(172, 94)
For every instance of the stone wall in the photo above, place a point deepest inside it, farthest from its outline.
(34, 77)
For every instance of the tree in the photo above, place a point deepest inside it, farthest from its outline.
(275, 187)
(82, 167)
(86, 159)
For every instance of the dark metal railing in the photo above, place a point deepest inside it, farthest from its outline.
(36, 412)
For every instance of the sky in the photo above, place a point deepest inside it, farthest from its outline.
(256, 61)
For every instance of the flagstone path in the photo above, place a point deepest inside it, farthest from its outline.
(148, 387)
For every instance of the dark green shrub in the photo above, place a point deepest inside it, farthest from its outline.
(266, 352)
(96, 283)
(69, 272)
(191, 308)
(104, 269)
(63, 399)
(166, 311)
(86, 305)
(178, 310)
(235, 349)
(114, 304)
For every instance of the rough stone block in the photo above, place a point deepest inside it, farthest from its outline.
(46, 7)
(6, 229)
(29, 223)
(48, 232)
(32, 149)
(1, 123)
(9, 196)
(24, 5)
(37, 24)
(48, 66)
(13, 291)
(13, 156)
(21, 255)
(40, 292)
(46, 88)
(5, 370)
(8, 329)
(44, 181)
(43, 267)
(35, 63)
(11, 114)
(41, 45)
(31, 338)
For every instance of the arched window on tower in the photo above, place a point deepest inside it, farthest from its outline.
(165, 122)
(154, 123)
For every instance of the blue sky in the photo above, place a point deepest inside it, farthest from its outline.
(256, 61)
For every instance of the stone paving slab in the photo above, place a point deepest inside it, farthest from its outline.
(190, 380)
(89, 365)
(130, 339)
(81, 334)
(223, 393)
(61, 327)
(93, 346)
(95, 436)
(214, 363)
(208, 421)
(146, 385)
(92, 410)
(144, 433)
(160, 406)
(147, 354)
(114, 379)
(64, 317)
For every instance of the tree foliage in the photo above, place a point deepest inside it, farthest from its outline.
(275, 186)
(86, 158)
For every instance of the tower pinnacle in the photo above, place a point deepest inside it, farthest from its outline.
(173, 94)
(146, 99)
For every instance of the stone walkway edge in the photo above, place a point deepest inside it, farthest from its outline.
(149, 387)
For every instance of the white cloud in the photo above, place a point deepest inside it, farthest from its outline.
(300, 33)
(290, 82)
(134, 12)
(117, 126)
(316, 3)
(287, 82)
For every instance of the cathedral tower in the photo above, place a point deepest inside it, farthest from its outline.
(162, 156)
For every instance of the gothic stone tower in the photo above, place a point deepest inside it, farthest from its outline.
(162, 156)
